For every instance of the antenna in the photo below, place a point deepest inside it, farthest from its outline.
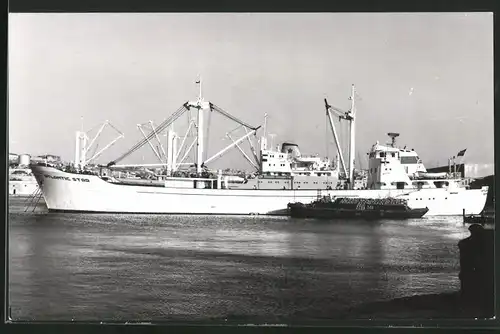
(199, 82)
(272, 135)
(393, 136)
(265, 124)
(352, 98)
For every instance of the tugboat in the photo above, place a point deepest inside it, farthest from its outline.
(361, 208)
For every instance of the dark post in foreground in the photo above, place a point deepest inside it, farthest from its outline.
(477, 269)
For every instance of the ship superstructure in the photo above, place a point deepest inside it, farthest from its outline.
(391, 167)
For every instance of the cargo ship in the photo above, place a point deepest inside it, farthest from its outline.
(282, 176)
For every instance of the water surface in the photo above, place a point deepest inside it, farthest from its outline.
(142, 267)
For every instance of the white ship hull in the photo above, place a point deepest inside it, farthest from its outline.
(88, 193)
(22, 182)
(23, 187)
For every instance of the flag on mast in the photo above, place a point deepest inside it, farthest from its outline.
(461, 153)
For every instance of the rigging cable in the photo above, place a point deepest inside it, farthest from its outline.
(96, 145)
(95, 149)
(228, 115)
(160, 128)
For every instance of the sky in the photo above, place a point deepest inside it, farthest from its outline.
(427, 76)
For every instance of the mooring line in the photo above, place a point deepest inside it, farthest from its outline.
(37, 201)
(38, 192)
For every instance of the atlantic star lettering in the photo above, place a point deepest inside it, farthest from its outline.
(80, 179)
(65, 178)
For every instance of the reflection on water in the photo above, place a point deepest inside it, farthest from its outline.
(139, 267)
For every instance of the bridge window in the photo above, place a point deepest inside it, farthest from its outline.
(409, 160)
(439, 184)
(382, 154)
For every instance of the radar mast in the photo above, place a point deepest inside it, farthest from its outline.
(393, 136)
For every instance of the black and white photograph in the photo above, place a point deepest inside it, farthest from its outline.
(250, 168)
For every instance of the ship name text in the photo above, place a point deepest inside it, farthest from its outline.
(65, 178)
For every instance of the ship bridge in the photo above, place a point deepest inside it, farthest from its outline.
(390, 165)
(408, 158)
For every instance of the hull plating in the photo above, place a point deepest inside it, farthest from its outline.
(88, 193)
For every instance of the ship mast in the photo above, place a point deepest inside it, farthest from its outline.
(263, 139)
(199, 141)
(172, 158)
(352, 141)
(348, 116)
(81, 147)
(200, 105)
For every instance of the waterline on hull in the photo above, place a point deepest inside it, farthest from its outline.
(65, 192)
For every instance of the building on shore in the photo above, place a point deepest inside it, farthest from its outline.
(467, 170)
